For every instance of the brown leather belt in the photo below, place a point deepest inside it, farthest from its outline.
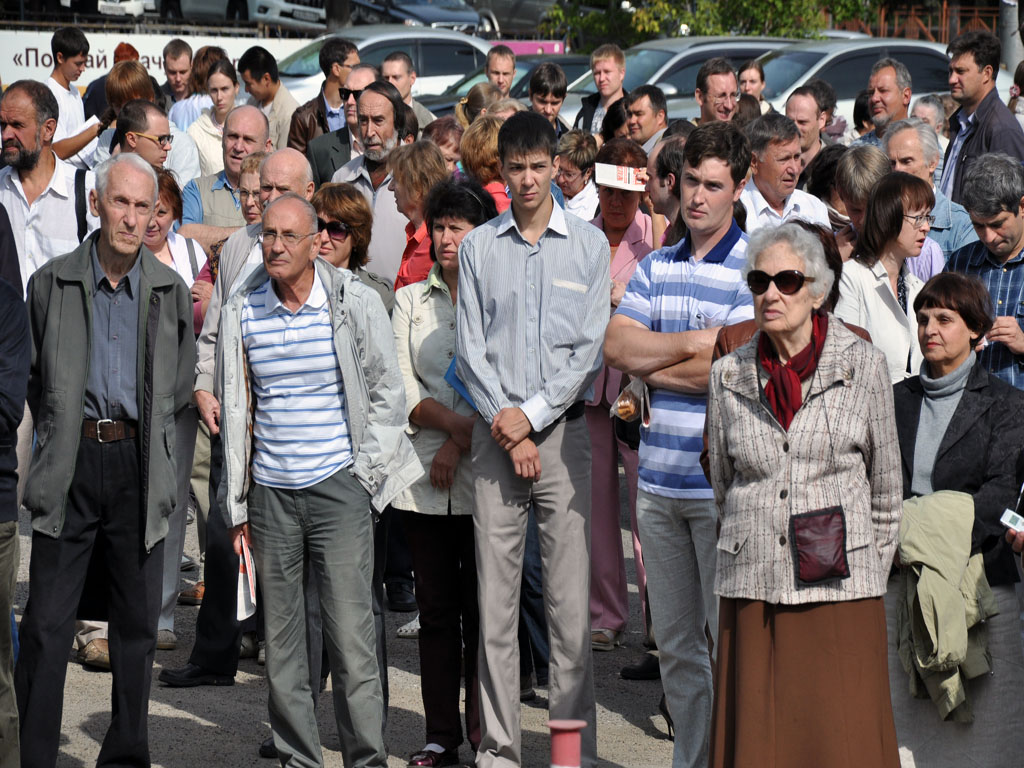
(107, 430)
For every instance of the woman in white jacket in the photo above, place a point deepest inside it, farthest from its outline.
(208, 130)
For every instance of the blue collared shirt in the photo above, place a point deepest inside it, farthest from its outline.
(1005, 283)
(335, 117)
(110, 389)
(192, 201)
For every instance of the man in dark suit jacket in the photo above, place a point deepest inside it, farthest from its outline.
(328, 153)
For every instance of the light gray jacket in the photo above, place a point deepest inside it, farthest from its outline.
(364, 345)
(841, 448)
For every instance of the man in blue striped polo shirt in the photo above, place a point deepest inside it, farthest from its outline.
(313, 411)
(664, 330)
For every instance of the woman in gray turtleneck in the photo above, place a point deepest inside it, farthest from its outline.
(962, 429)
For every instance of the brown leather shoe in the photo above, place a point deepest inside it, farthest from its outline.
(96, 654)
(193, 595)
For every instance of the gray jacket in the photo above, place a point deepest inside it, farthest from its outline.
(364, 345)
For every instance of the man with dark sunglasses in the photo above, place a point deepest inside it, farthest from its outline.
(327, 153)
(664, 331)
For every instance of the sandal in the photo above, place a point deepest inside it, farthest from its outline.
(605, 639)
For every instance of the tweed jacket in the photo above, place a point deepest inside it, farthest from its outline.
(841, 448)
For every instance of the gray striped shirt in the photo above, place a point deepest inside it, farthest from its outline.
(531, 318)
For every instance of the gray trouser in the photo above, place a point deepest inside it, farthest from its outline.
(184, 446)
(328, 526)
(561, 502)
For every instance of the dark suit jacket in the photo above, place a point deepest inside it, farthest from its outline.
(980, 454)
(995, 129)
(328, 153)
(10, 265)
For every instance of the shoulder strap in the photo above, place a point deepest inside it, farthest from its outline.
(80, 203)
(190, 244)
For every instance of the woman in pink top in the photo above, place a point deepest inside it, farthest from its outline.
(630, 235)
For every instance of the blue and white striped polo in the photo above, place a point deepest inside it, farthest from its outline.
(300, 428)
(671, 292)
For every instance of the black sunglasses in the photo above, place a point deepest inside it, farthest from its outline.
(788, 281)
(346, 92)
(335, 229)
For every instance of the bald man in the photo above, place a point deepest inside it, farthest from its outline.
(211, 208)
(214, 658)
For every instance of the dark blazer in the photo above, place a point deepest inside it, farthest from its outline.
(995, 130)
(10, 265)
(15, 356)
(328, 153)
(980, 454)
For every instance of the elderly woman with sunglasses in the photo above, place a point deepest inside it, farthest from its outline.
(344, 220)
(877, 289)
(804, 463)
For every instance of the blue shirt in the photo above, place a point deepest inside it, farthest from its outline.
(1005, 283)
(192, 201)
(672, 292)
(335, 117)
(952, 229)
(110, 388)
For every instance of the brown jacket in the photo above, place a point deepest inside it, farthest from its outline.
(308, 122)
(841, 448)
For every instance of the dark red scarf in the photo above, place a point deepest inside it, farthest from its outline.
(783, 388)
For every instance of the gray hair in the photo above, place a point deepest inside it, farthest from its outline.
(994, 183)
(925, 134)
(803, 244)
(305, 168)
(934, 103)
(103, 170)
(772, 128)
(902, 73)
(307, 207)
(257, 110)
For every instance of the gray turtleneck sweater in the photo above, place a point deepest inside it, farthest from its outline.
(941, 397)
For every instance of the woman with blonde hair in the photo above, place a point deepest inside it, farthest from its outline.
(480, 158)
(475, 103)
(415, 169)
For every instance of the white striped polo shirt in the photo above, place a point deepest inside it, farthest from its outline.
(300, 426)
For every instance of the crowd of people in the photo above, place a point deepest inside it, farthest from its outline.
(381, 359)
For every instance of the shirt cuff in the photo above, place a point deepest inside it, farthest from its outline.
(538, 412)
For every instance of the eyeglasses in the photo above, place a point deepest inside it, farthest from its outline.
(336, 230)
(725, 97)
(788, 281)
(245, 194)
(162, 141)
(290, 239)
(920, 219)
(569, 176)
(346, 92)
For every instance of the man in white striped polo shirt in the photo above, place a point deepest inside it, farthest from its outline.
(312, 350)
(664, 330)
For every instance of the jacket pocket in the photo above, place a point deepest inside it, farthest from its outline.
(733, 538)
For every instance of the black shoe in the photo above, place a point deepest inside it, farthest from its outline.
(648, 668)
(401, 598)
(190, 676)
(267, 748)
(663, 708)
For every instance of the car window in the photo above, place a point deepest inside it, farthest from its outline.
(683, 75)
(448, 58)
(641, 65)
(783, 68)
(929, 70)
(376, 53)
(304, 62)
(849, 74)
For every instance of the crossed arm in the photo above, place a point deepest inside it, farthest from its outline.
(677, 361)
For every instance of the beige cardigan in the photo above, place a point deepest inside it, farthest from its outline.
(762, 474)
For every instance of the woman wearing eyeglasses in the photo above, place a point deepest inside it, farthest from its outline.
(345, 219)
(208, 130)
(877, 289)
(804, 463)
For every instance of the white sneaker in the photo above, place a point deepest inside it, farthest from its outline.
(410, 631)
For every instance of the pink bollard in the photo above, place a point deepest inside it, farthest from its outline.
(565, 742)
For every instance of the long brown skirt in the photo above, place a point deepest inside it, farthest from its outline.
(802, 686)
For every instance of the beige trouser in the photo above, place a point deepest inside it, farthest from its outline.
(561, 502)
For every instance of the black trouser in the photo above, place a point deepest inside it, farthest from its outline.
(104, 522)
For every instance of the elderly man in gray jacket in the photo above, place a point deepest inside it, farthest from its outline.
(313, 433)
(112, 358)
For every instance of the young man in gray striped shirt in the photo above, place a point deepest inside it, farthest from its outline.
(533, 305)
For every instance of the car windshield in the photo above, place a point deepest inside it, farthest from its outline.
(304, 62)
(641, 64)
(783, 68)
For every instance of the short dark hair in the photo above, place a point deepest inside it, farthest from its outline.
(177, 48)
(890, 198)
(68, 42)
(526, 132)
(824, 94)
(719, 65)
(983, 46)
(806, 90)
(548, 79)
(463, 199)
(678, 127)
(622, 151)
(753, 64)
(614, 118)
(861, 113)
(134, 118)
(821, 181)
(334, 51)
(409, 125)
(772, 128)
(964, 294)
(444, 130)
(167, 186)
(652, 92)
(258, 61)
(388, 91)
(42, 98)
(222, 67)
(992, 184)
(401, 56)
(670, 159)
(720, 140)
